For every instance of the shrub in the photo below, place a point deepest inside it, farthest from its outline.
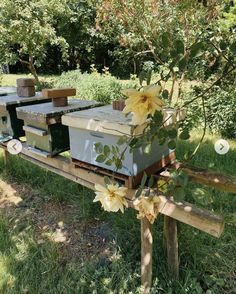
(222, 113)
(45, 84)
(220, 110)
(95, 86)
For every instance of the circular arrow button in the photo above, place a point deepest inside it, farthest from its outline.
(221, 146)
(14, 147)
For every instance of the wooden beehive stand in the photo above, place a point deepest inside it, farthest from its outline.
(187, 213)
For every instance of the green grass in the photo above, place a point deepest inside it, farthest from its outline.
(10, 79)
(206, 263)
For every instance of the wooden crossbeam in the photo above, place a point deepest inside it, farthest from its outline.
(210, 178)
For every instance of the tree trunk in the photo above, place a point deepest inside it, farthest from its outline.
(32, 68)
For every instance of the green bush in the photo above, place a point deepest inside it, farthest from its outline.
(95, 86)
(220, 112)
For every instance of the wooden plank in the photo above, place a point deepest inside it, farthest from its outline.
(59, 93)
(189, 214)
(35, 131)
(171, 237)
(146, 254)
(210, 178)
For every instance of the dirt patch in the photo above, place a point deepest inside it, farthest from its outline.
(55, 222)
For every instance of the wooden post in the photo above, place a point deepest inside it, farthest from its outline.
(6, 157)
(171, 237)
(146, 254)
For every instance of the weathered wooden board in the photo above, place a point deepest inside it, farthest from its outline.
(43, 113)
(14, 99)
(59, 92)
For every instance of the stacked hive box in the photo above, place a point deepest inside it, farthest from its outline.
(106, 125)
(10, 126)
(25, 87)
(45, 134)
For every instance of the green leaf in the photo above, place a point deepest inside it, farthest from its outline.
(151, 182)
(196, 49)
(118, 163)
(106, 150)
(158, 118)
(144, 179)
(184, 135)
(122, 140)
(183, 63)
(133, 143)
(202, 196)
(172, 144)
(165, 94)
(101, 158)
(179, 194)
(148, 148)
(172, 133)
(107, 180)
(98, 147)
(138, 192)
(183, 178)
(233, 47)
(223, 45)
(165, 42)
(109, 162)
(114, 151)
(179, 45)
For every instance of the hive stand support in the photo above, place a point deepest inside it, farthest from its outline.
(171, 240)
(6, 157)
(146, 254)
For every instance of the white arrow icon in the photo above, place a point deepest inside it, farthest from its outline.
(221, 146)
(14, 147)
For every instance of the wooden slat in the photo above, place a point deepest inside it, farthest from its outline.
(59, 93)
(146, 254)
(171, 236)
(35, 131)
(210, 178)
(189, 214)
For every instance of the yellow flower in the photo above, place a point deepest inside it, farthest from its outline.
(147, 207)
(142, 103)
(112, 197)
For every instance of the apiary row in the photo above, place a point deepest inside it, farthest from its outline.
(53, 123)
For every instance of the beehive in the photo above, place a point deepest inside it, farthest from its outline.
(42, 123)
(10, 125)
(106, 125)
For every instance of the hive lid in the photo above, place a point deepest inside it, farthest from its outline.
(44, 112)
(106, 120)
(14, 99)
(7, 90)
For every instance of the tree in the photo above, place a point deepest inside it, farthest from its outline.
(27, 27)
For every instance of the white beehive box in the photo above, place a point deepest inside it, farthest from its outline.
(106, 125)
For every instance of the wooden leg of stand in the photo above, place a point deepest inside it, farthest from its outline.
(6, 158)
(172, 246)
(146, 254)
